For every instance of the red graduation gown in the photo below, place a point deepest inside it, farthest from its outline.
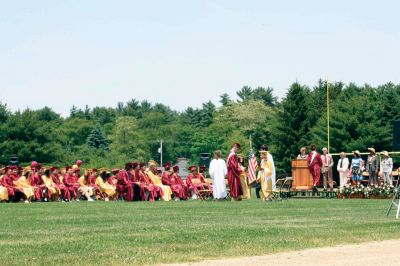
(8, 182)
(178, 186)
(70, 183)
(147, 186)
(234, 172)
(124, 185)
(64, 190)
(36, 181)
(315, 167)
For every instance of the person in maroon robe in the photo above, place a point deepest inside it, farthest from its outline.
(55, 176)
(202, 176)
(36, 181)
(192, 187)
(112, 180)
(7, 181)
(178, 192)
(134, 172)
(165, 178)
(314, 162)
(71, 183)
(147, 188)
(124, 185)
(195, 182)
(234, 171)
(177, 185)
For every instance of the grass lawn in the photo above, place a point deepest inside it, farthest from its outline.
(164, 232)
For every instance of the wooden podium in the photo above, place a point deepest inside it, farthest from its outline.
(302, 178)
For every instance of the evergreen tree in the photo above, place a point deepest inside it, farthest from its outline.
(97, 139)
(291, 132)
(245, 93)
(225, 99)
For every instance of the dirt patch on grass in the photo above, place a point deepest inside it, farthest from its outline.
(366, 254)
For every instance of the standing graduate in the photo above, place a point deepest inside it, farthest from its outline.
(218, 172)
(234, 172)
(314, 165)
(271, 160)
(265, 175)
(243, 178)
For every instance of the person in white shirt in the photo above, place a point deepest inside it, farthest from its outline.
(218, 172)
(387, 168)
(343, 169)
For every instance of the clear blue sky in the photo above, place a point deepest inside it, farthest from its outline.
(183, 53)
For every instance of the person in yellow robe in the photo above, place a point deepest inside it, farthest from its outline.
(23, 185)
(156, 179)
(53, 191)
(243, 178)
(86, 188)
(265, 176)
(104, 187)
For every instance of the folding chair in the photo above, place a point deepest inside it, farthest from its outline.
(285, 188)
(275, 193)
(202, 191)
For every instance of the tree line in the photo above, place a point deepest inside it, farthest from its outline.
(361, 116)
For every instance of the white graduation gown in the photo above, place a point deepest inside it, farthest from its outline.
(218, 172)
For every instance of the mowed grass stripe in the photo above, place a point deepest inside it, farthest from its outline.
(164, 232)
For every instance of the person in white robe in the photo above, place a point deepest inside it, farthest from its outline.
(218, 172)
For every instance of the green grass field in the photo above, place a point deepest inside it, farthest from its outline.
(164, 232)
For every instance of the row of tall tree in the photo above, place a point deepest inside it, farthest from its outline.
(361, 116)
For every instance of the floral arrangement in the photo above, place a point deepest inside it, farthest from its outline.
(368, 192)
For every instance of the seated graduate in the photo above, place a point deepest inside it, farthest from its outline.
(195, 182)
(156, 180)
(36, 181)
(23, 185)
(177, 185)
(52, 191)
(86, 188)
(148, 191)
(124, 185)
(71, 182)
(112, 180)
(58, 181)
(7, 182)
(107, 191)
